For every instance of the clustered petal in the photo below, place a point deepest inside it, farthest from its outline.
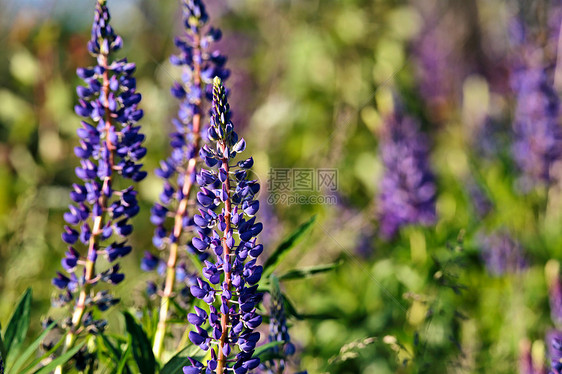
(502, 254)
(538, 136)
(110, 145)
(227, 227)
(408, 190)
(200, 63)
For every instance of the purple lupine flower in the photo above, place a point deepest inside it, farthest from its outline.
(227, 227)
(554, 344)
(278, 332)
(441, 62)
(170, 215)
(98, 221)
(538, 143)
(407, 190)
(480, 200)
(502, 254)
(555, 299)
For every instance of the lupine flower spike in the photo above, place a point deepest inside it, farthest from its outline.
(278, 332)
(227, 227)
(179, 170)
(408, 190)
(110, 149)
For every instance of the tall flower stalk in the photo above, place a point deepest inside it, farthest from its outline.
(199, 65)
(110, 150)
(226, 226)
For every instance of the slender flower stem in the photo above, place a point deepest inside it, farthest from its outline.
(180, 214)
(225, 318)
(89, 268)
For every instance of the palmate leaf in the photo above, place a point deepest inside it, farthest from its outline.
(286, 246)
(18, 325)
(142, 349)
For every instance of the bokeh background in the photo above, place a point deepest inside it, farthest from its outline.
(312, 82)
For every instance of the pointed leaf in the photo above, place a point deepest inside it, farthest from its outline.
(18, 325)
(265, 353)
(115, 353)
(180, 359)
(122, 366)
(36, 362)
(61, 360)
(142, 350)
(309, 271)
(2, 348)
(30, 350)
(285, 247)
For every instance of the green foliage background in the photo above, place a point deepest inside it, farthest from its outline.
(310, 82)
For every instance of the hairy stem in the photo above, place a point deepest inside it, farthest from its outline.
(225, 318)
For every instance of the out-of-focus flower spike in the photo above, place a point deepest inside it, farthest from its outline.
(407, 189)
(170, 215)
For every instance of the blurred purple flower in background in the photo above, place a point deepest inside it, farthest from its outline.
(538, 136)
(407, 189)
(502, 254)
(555, 299)
(480, 200)
(200, 64)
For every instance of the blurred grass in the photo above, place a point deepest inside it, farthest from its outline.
(311, 81)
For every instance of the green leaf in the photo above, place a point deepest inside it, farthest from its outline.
(18, 325)
(2, 348)
(265, 353)
(45, 355)
(30, 350)
(309, 271)
(115, 353)
(122, 366)
(61, 360)
(292, 311)
(179, 360)
(142, 350)
(285, 247)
